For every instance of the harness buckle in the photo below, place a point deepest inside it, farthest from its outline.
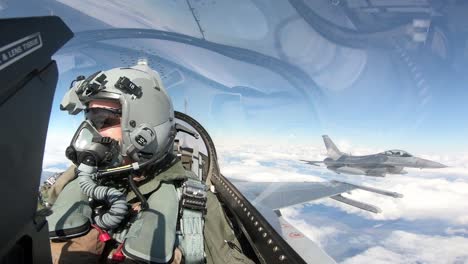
(194, 196)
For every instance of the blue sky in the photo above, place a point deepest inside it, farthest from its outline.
(368, 96)
(377, 110)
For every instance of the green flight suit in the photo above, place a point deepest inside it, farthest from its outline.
(152, 236)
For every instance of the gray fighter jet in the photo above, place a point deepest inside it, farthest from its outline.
(377, 165)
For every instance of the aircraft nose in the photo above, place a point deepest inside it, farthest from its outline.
(423, 163)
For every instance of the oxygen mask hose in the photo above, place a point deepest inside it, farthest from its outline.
(134, 187)
(118, 205)
(130, 167)
(126, 168)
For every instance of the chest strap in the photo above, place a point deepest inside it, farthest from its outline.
(192, 210)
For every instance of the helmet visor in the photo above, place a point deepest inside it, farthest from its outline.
(103, 118)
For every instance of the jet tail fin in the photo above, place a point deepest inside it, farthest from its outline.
(332, 151)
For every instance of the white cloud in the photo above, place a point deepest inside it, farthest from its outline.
(320, 235)
(428, 194)
(252, 170)
(456, 231)
(424, 198)
(246, 163)
(56, 143)
(53, 169)
(405, 247)
(377, 255)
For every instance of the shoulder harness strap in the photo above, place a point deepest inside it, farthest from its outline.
(192, 211)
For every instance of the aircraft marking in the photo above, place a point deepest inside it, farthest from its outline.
(295, 235)
(14, 51)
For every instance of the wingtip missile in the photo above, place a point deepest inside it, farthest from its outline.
(374, 190)
(360, 205)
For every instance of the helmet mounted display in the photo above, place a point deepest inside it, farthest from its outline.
(146, 113)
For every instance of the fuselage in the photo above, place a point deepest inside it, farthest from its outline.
(378, 164)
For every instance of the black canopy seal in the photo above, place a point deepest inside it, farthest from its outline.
(124, 84)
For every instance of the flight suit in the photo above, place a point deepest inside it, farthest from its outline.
(152, 236)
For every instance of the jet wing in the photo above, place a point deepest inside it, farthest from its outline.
(313, 162)
(269, 197)
(276, 195)
(307, 248)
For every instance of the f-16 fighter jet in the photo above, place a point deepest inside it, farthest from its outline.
(376, 165)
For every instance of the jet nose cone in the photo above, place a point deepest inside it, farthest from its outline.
(423, 163)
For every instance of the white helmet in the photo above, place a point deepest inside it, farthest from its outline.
(147, 114)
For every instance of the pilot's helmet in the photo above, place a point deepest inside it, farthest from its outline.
(145, 110)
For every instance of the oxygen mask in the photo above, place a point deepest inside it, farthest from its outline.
(92, 148)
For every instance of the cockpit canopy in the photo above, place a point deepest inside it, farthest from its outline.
(397, 153)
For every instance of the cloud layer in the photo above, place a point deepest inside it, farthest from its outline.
(404, 247)
(436, 194)
(54, 153)
(431, 198)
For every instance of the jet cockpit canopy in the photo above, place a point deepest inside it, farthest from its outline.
(397, 153)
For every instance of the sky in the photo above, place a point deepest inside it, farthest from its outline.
(267, 84)
(309, 86)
